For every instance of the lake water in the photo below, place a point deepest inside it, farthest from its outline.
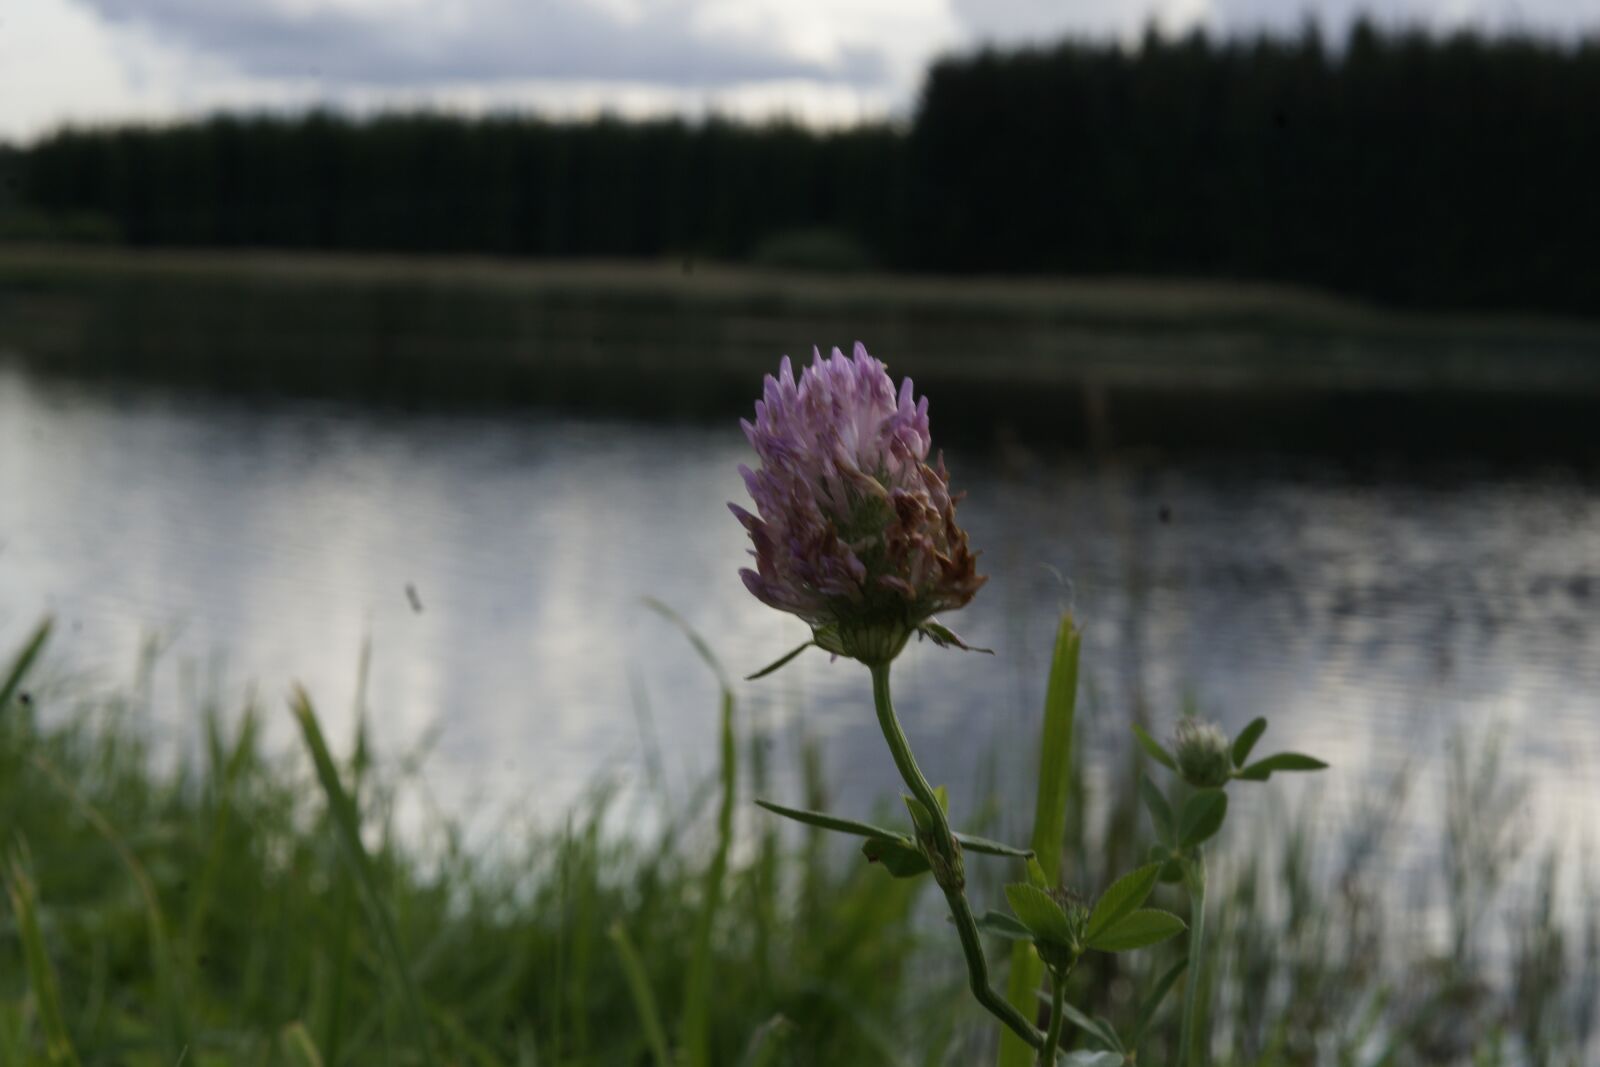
(1373, 614)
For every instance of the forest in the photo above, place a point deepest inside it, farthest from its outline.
(1413, 170)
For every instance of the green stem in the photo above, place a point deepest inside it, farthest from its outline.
(1052, 1040)
(1194, 876)
(954, 893)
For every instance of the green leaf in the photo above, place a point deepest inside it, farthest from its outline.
(1155, 802)
(1145, 927)
(1039, 913)
(824, 821)
(1096, 1027)
(1002, 925)
(1123, 897)
(1202, 817)
(899, 856)
(973, 843)
(1261, 770)
(1158, 993)
(779, 662)
(1154, 748)
(1056, 737)
(1247, 740)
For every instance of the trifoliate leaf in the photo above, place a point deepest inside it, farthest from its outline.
(1261, 770)
(1039, 913)
(1145, 927)
(1154, 748)
(1202, 817)
(1247, 740)
(1124, 896)
(1155, 802)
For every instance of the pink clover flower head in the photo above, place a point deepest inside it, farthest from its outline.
(854, 532)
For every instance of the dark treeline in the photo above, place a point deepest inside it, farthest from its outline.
(1420, 171)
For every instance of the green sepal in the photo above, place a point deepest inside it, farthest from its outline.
(899, 856)
(1160, 809)
(1247, 740)
(1154, 748)
(1147, 926)
(944, 637)
(1002, 925)
(827, 638)
(1121, 898)
(1039, 913)
(1202, 817)
(1261, 770)
(920, 816)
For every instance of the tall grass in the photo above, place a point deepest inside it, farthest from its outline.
(244, 905)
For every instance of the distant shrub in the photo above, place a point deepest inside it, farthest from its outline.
(818, 249)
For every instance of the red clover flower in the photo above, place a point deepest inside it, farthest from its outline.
(855, 532)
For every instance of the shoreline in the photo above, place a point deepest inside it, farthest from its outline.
(1100, 363)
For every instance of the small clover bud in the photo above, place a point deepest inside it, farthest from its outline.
(1061, 956)
(1058, 919)
(1203, 755)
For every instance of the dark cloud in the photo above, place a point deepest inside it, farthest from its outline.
(499, 40)
(1019, 21)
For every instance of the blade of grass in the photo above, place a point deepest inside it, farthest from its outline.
(41, 972)
(697, 987)
(163, 962)
(298, 1046)
(1049, 819)
(644, 1002)
(347, 827)
(23, 662)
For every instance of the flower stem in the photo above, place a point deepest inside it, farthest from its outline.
(1058, 992)
(947, 865)
(1194, 876)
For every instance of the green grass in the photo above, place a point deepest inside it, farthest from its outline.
(249, 906)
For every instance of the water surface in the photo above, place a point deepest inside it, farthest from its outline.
(497, 563)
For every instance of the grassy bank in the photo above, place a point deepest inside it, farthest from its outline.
(218, 909)
(1102, 362)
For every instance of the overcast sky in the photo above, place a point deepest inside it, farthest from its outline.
(824, 61)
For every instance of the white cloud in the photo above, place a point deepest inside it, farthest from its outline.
(827, 61)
